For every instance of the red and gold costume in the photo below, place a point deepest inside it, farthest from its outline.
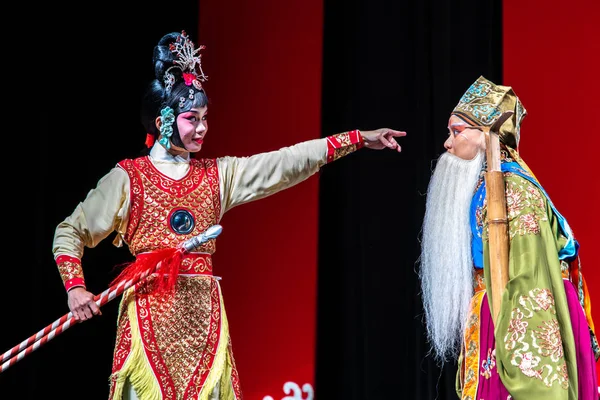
(176, 345)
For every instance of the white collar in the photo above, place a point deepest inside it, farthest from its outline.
(160, 154)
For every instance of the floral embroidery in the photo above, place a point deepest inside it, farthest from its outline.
(344, 140)
(471, 351)
(479, 217)
(472, 348)
(595, 345)
(70, 269)
(166, 128)
(469, 376)
(515, 201)
(339, 153)
(473, 320)
(488, 364)
(526, 206)
(527, 363)
(564, 267)
(342, 144)
(529, 223)
(516, 329)
(562, 375)
(544, 298)
(538, 299)
(540, 358)
(548, 341)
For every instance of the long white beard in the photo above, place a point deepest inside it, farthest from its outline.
(446, 265)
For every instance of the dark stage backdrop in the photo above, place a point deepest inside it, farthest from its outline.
(402, 65)
(79, 75)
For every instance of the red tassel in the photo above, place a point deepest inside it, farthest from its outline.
(169, 259)
(168, 272)
(149, 140)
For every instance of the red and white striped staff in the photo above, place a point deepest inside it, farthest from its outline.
(32, 343)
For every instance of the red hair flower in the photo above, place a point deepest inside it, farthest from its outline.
(188, 78)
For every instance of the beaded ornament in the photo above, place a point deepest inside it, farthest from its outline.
(188, 60)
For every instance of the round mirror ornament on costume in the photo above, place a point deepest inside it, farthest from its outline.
(182, 222)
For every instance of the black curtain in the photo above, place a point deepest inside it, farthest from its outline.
(79, 74)
(402, 65)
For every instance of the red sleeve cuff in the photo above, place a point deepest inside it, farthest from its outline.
(71, 283)
(70, 271)
(343, 144)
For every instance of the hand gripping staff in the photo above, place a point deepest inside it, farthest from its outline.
(32, 343)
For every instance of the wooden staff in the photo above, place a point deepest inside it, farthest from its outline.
(496, 215)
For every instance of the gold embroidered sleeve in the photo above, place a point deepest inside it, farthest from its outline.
(342, 144)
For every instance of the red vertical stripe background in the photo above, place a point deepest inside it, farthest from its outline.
(263, 61)
(551, 58)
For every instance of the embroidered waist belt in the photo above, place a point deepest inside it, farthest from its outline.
(193, 264)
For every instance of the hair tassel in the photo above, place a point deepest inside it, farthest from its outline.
(149, 140)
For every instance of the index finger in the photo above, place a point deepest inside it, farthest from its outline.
(396, 133)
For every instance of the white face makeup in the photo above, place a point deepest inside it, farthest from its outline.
(192, 126)
(464, 141)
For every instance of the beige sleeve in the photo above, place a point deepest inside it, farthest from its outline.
(104, 210)
(245, 179)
